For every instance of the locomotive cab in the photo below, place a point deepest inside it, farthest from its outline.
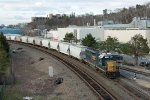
(112, 69)
(111, 65)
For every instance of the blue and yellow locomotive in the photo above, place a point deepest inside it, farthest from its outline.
(108, 63)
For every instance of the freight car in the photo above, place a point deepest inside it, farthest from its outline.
(38, 41)
(18, 38)
(77, 51)
(46, 43)
(24, 39)
(31, 40)
(108, 63)
(12, 37)
(7, 37)
(64, 48)
(54, 45)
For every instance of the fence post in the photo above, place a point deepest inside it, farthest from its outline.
(2, 90)
(0, 93)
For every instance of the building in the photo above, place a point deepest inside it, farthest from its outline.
(140, 23)
(42, 20)
(52, 34)
(124, 32)
(81, 32)
(126, 35)
(39, 20)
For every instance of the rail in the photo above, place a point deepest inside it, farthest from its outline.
(97, 88)
(136, 71)
(133, 89)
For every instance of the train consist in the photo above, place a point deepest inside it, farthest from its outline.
(108, 63)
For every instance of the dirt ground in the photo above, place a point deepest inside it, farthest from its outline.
(31, 71)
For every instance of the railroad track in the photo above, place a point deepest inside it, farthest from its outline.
(133, 89)
(97, 88)
(135, 71)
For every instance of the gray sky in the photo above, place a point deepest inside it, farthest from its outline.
(18, 11)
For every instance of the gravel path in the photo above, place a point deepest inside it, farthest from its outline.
(32, 77)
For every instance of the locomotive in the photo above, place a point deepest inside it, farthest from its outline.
(108, 63)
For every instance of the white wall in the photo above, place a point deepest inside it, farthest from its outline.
(96, 32)
(52, 34)
(63, 31)
(148, 37)
(123, 35)
(82, 32)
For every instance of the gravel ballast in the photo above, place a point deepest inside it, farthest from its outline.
(31, 71)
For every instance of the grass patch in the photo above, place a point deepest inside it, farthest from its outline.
(12, 94)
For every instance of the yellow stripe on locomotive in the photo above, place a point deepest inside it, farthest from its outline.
(93, 57)
(111, 66)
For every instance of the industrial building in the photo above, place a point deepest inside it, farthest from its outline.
(125, 35)
(123, 32)
(52, 34)
(78, 31)
(44, 19)
(139, 23)
(81, 32)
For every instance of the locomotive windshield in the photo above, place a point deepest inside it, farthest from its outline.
(106, 58)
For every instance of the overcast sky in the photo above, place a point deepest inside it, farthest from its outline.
(18, 11)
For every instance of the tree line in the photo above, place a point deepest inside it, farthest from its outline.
(4, 54)
(122, 15)
(137, 46)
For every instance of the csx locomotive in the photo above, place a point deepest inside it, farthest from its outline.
(108, 63)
